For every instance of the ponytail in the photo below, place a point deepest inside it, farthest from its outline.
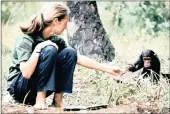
(35, 24)
(44, 18)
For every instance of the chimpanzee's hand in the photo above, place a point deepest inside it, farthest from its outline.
(129, 67)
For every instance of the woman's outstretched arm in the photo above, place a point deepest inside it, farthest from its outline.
(90, 63)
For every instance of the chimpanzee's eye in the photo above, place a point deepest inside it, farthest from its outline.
(146, 58)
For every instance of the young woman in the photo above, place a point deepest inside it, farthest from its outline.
(42, 63)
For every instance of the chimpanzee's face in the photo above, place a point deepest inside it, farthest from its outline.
(147, 62)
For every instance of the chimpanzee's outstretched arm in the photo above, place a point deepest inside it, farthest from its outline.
(137, 65)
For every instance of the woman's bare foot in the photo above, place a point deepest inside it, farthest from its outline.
(40, 101)
(57, 101)
(40, 106)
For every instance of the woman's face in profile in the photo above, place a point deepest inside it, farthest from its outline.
(60, 26)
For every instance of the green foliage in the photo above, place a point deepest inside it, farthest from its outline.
(9, 11)
(148, 16)
(154, 15)
(14, 12)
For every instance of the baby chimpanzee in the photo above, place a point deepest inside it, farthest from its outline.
(148, 60)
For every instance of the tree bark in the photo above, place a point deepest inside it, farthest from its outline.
(86, 34)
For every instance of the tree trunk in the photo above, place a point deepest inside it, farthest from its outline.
(86, 34)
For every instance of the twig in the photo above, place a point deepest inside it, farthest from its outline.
(109, 99)
(26, 97)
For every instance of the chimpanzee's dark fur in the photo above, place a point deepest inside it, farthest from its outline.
(155, 64)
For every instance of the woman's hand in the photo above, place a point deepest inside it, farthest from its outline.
(40, 46)
(27, 67)
(116, 71)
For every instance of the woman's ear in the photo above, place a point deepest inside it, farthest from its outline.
(55, 21)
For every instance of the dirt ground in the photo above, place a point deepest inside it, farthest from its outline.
(134, 107)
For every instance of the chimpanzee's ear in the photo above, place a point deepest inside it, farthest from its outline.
(141, 57)
(155, 55)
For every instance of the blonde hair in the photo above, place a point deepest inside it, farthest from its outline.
(44, 17)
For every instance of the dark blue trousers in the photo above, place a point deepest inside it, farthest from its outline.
(54, 73)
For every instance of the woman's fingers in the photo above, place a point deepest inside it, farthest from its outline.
(51, 43)
(118, 71)
(48, 42)
(123, 71)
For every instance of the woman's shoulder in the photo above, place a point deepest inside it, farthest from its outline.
(24, 38)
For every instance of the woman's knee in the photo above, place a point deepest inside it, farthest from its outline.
(71, 53)
(50, 50)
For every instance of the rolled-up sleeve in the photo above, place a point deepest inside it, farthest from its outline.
(24, 49)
